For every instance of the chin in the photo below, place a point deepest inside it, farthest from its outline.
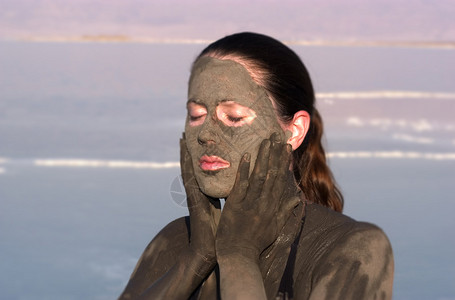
(215, 192)
(214, 188)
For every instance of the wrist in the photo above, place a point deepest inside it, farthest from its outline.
(200, 265)
(237, 254)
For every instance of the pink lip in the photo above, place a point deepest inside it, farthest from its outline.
(213, 163)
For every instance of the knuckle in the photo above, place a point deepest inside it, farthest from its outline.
(272, 172)
(243, 185)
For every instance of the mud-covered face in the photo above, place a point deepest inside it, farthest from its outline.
(228, 115)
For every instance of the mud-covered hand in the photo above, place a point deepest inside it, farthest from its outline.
(259, 205)
(196, 262)
(204, 214)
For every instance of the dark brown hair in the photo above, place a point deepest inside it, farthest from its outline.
(280, 71)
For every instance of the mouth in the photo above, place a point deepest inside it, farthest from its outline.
(213, 163)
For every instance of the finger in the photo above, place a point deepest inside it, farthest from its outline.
(286, 209)
(260, 170)
(241, 181)
(275, 137)
(189, 181)
(275, 151)
(282, 179)
(182, 151)
(186, 166)
(274, 165)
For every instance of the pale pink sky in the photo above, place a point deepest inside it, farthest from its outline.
(373, 20)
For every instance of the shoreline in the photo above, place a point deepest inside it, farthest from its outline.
(191, 41)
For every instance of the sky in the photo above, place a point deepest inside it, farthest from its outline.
(412, 21)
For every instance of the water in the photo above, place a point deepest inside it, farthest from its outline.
(76, 232)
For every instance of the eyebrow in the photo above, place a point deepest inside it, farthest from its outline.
(232, 102)
(195, 101)
(198, 102)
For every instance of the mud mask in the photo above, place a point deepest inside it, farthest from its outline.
(229, 115)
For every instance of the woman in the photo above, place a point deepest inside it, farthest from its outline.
(253, 137)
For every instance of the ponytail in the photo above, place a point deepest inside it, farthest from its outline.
(311, 170)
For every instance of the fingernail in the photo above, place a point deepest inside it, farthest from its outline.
(275, 137)
(247, 157)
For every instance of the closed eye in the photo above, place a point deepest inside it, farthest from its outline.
(196, 114)
(195, 118)
(233, 114)
(235, 119)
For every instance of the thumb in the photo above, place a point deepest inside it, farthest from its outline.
(287, 206)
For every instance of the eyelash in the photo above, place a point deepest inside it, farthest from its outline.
(234, 119)
(192, 118)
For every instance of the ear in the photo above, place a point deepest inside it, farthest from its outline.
(299, 128)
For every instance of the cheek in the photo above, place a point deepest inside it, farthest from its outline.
(192, 145)
(191, 134)
(261, 129)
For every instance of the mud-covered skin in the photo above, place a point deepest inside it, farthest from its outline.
(258, 221)
(212, 82)
(159, 256)
(196, 261)
(339, 258)
(257, 208)
(334, 257)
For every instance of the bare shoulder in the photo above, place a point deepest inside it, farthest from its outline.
(173, 236)
(366, 246)
(338, 257)
(359, 265)
(158, 257)
(365, 242)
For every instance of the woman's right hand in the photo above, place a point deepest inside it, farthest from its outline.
(204, 214)
(196, 262)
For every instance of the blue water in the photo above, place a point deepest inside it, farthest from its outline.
(76, 232)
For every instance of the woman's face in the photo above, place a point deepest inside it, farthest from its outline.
(228, 115)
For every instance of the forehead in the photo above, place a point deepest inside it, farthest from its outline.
(214, 80)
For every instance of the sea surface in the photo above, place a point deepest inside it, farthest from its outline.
(89, 158)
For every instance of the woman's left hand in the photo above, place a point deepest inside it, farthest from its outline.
(258, 207)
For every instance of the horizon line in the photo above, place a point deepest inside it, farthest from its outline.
(196, 41)
(384, 94)
(128, 164)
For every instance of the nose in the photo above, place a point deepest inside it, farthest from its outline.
(208, 134)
